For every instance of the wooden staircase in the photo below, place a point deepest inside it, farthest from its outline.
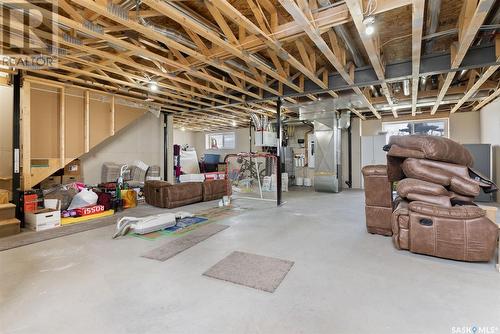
(59, 124)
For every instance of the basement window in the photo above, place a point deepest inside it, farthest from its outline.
(220, 141)
(431, 127)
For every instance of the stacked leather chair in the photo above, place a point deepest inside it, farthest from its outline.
(434, 213)
(378, 200)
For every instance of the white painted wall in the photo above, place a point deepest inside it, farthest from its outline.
(185, 137)
(465, 127)
(6, 131)
(142, 140)
(490, 134)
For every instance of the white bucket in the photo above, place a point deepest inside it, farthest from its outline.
(299, 181)
(307, 182)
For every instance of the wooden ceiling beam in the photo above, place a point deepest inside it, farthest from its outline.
(472, 89)
(324, 19)
(471, 18)
(313, 33)
(129, 62)
(213, 37)
(143, 79)
(372, 47)
(487, 100)
(150, 33)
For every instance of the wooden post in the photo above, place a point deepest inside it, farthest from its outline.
(62, 127)
(87, 121)
(25, 133)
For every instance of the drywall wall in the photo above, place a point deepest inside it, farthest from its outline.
(6, 131)
(185, 137)
(142, 140)
(490, 134)
(465, 127)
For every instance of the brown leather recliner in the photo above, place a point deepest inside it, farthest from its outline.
(459, 179)
(419, 190)
(165, 195)
(378, 199)
(423, 147)
(459, 233)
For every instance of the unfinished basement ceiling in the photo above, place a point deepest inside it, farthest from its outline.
(215, 61)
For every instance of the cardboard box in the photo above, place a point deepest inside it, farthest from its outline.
(66, 179)
(9, 227)
(42, 219)
(73, 168)
(50, 182)
(491, 212)
(7, 211)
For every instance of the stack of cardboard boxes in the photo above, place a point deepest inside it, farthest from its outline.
(71, 173)
(9, 225)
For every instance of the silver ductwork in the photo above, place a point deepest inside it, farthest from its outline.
(346, 38)
(328, 124)
(433, 10)
(406, 87)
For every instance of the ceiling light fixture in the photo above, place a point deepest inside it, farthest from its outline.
(183, 129)
(153, 86)
(234, 123)
(369, 23)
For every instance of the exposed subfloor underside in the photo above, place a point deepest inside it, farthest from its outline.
(344, 280)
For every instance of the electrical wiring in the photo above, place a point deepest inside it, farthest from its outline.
(370, 8)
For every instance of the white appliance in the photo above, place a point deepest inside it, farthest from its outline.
(372, 152)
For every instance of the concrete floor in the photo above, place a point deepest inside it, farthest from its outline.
(344, 280)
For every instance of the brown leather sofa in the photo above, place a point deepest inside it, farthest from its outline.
(215, 189)
(378, 200)
(459, 233)
(165, 195)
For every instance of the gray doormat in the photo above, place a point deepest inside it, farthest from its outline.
(178, 245)
(255, 271)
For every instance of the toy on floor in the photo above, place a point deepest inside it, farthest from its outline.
(144, 225)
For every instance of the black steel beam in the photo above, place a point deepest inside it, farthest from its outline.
(16, 144)
(278, 151)
(429, 65)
